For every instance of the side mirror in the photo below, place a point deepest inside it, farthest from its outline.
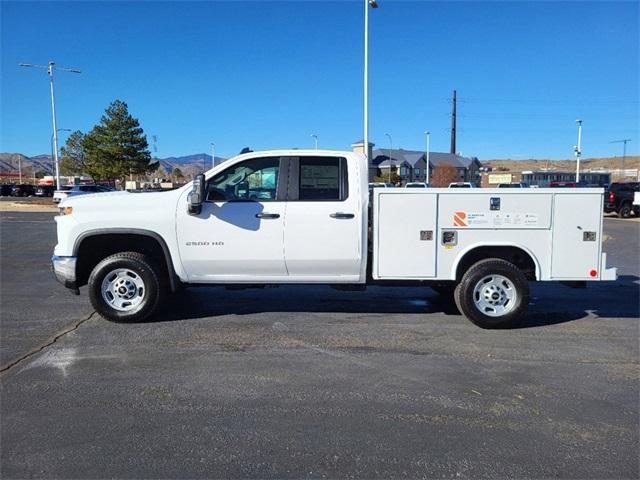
(196, 197)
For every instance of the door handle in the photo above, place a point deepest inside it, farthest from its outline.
(342, 215)
(267, 215)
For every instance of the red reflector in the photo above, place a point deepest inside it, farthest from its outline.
(612, 197)
(593, 273)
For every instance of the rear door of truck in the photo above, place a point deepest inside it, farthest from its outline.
(323, 224)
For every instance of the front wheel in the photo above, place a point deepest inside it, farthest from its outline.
(493, 293)
(126, 287)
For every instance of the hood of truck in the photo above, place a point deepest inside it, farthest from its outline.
(123, 209)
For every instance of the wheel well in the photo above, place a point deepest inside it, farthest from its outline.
(519, 257)
(95, 248)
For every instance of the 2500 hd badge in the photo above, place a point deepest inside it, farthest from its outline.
(204, 244)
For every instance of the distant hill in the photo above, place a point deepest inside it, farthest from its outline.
(189, 164)
(11, 162)
(612, 163)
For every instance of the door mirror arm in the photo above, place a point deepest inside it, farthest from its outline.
(196, 196)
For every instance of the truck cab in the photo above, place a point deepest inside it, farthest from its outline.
(307, 216)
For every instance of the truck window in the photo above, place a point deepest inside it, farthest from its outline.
(253, 180)
(323, 179)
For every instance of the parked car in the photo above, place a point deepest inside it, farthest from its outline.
(380, 185)
(619, 198)
(45, 191)
(61, 193)
(416, 185)
(514, 185)
(23, 190)
(462, 185)
(73, 190)
(6, 189)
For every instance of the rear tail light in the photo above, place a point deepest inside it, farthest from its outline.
(612, 197)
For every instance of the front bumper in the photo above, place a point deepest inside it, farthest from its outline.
(64, 269)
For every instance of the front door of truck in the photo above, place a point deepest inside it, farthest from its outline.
(238, 235)
(323, 236)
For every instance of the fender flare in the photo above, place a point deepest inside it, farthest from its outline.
(474, 246)
(174, 280)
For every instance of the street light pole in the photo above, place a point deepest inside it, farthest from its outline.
(578, 150)
(373, 4)
(52, 154)
(390, 148)
(50, 67)
(427, 134)
(315, 138)
(213, 155)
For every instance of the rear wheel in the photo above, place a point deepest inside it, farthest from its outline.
(126, 287)
(625, 210)
(493, 293)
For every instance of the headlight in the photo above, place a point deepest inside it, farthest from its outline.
(66, 210)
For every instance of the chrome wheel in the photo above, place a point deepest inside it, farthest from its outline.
(123, 289)
(494, 295)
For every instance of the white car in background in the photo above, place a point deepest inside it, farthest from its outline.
(416, 185)
(73, 190)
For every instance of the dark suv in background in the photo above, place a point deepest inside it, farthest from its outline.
(23, 190)
(618, 198)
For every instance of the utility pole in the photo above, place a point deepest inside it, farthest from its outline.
(50, 68)
(578, 150)
(19, 170)
(453, 125)
(624, 142)
(213, 154)
(315, 138)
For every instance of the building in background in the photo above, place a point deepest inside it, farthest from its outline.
(411, 165)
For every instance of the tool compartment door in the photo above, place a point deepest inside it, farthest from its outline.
(406, 235)
(577, 228)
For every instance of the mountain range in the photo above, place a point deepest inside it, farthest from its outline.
(188, 164)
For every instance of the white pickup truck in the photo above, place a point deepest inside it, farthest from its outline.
(308, 217)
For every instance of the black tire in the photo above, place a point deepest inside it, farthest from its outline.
(152, 290)
(465, 295)
(625, 210)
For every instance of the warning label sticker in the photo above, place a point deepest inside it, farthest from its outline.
(495, 219)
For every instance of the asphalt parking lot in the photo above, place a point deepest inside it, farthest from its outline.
(310, 382)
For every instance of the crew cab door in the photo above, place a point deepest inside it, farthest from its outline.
(238, 235)
(323, 227)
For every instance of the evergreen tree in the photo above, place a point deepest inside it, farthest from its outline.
(117, 146)
(177, 173)
(72, 159)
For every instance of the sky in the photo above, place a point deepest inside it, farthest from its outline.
(269, 74)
